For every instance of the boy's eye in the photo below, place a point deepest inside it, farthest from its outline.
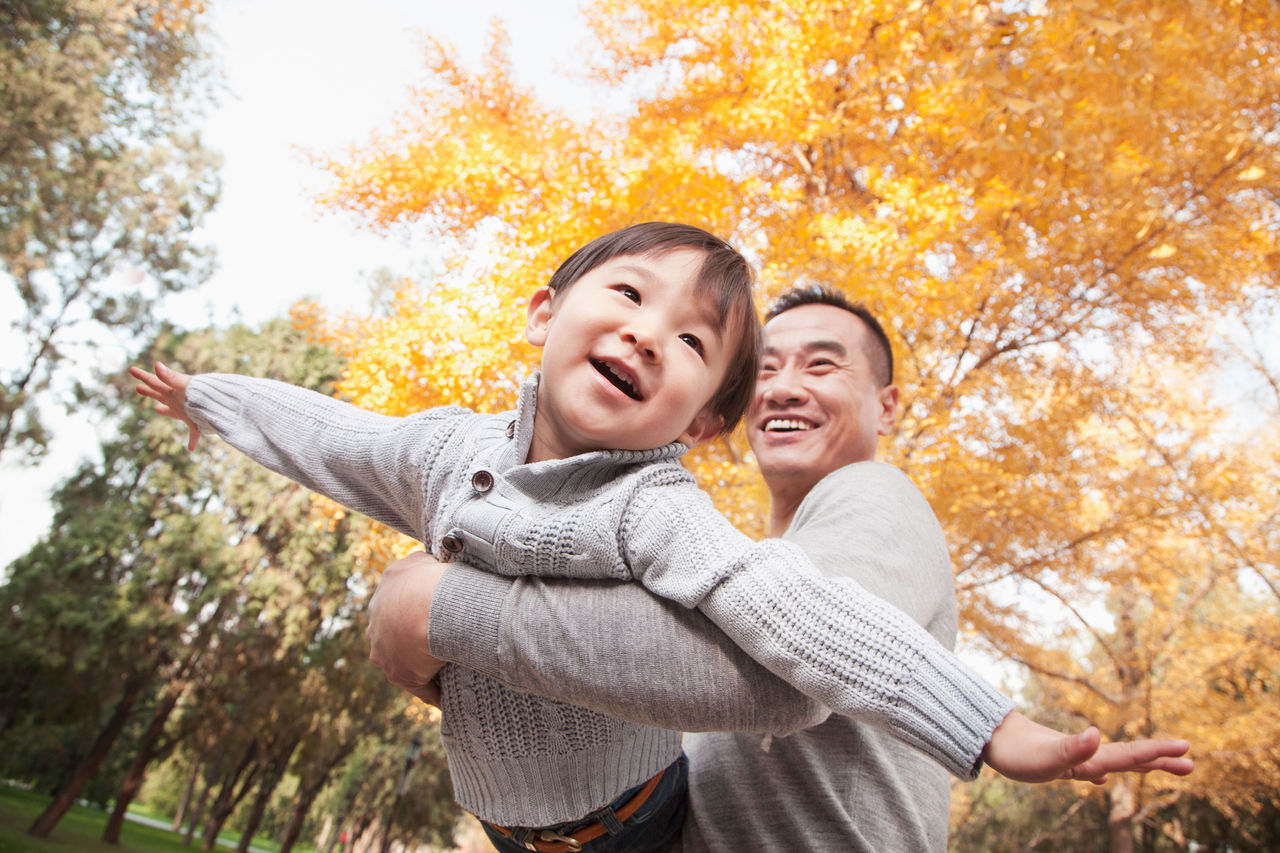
(692, 340)
(629, 292)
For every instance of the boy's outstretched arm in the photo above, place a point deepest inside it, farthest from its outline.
(168, 388)
(1025, 751)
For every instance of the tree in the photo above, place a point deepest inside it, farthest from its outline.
(172, 576)
(101, 189)
(1063, 225)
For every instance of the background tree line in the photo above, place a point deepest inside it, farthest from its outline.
(1067, 213)
(199, 611)
(183, 612)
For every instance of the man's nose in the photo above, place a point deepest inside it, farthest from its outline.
(783, 388)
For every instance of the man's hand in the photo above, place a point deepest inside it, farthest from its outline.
(397, 631)
(169, 389)
(1025, 751)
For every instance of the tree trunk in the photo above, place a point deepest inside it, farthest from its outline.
(197, 814)
(148, 749)
(1123, 800)
(228, 797)
(270, 780)
(65, 798)
(181, 814)
(307, 792)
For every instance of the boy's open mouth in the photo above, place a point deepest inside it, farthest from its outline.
(621, 381)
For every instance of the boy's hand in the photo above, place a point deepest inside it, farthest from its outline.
(397, 630)
(1025, 751)
(169, 389)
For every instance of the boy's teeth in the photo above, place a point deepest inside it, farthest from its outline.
(780, 424)
(620, 379)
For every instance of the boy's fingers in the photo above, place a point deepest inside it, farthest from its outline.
(171, 377)
(1144, 756)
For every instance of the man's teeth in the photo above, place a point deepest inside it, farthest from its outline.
(782, 425)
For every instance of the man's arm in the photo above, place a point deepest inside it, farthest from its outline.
(499, 622)
(1019, 748)
(608, 646)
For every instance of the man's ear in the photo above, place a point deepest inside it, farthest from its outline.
(705, 427)
(887, 417)
(538, 318)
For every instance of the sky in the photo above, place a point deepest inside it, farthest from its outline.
(299, 77)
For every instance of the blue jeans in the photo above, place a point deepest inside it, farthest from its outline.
(652, 829)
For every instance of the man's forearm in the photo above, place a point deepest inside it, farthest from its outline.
(559, 638)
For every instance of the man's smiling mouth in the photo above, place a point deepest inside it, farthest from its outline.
(620, 379)
(786, 425)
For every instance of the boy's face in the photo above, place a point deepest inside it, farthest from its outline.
(630, 358)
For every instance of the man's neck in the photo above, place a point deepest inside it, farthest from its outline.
(784, 499)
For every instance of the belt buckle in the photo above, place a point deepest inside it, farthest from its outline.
(551, 835)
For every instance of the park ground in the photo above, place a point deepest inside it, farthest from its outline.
(81, 830)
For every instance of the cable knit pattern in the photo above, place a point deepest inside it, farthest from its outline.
(456, 481)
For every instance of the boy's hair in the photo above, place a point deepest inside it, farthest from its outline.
(725, 277)
(880, 353)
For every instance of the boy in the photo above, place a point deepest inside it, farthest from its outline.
(649, 343)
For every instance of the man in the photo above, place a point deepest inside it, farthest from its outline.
(824, 395)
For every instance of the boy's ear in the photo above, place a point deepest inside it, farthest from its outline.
(705, 427)
(538, 319)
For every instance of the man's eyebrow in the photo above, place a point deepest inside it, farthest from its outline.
(811, 347)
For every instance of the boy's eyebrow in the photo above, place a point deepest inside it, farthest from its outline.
(711, 318)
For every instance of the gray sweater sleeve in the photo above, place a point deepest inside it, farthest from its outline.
(828, 637)
(617, 649)
(367, 462)
(614, 648)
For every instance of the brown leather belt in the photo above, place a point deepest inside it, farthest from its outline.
(550, 841)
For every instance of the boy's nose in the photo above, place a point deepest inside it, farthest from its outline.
(643, 340)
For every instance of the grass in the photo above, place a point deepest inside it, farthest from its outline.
(80, 830)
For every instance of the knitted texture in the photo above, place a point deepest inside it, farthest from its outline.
(820, 782)
(604, 514)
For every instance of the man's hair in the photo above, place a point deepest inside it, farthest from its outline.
(879, 352)
(725, 277)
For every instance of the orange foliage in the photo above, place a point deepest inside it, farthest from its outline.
(1060, 210)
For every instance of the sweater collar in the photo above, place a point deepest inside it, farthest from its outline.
(527, 404)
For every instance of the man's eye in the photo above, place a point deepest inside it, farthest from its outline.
(692, 340)
(629, 292)
(821, 363)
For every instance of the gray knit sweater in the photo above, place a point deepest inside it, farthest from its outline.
(837, 784)
(457, 482)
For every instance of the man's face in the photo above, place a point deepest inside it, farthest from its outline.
(817, 404)
(631, 357)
